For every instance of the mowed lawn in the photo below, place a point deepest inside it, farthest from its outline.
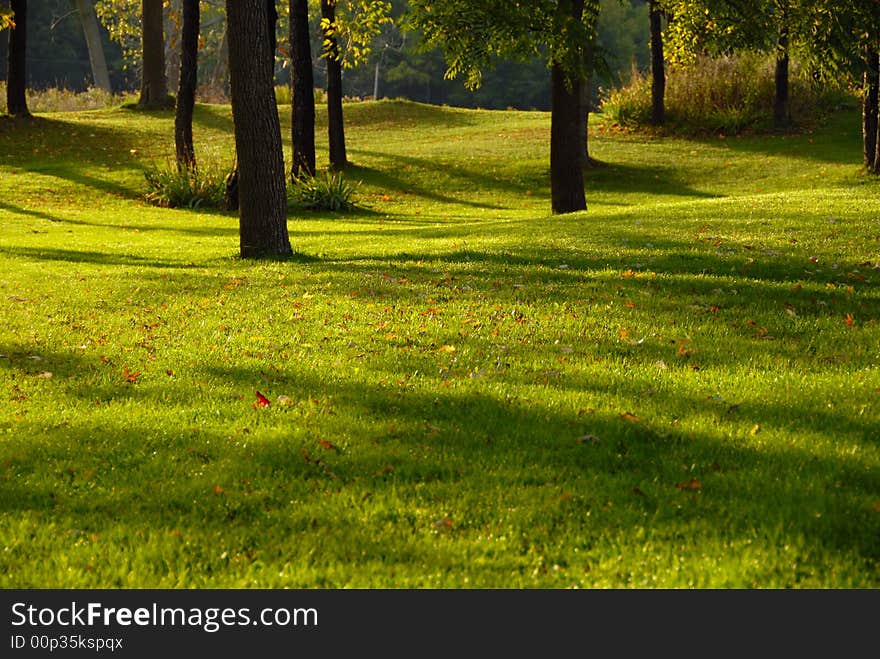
(679, 387)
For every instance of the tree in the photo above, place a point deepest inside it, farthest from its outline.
(658, 65)
(186, 91)
(475, 33)
(16, 77)
(92, 33)
(154, 88)
(335, 121)
(302, 82)
(261, 176)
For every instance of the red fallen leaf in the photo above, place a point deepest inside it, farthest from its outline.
(692, 484)
(261, 401)
(218, 489)
(387, 469)
(104, 359)
(130, 376)
(814, 259)
(327, 444)
(444, 523)
(849, 320)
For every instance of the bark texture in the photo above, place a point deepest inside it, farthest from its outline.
(186, 90)
(16, 78)
(658, 67)
(303, 90)
(262, 198)
(154, 88)
(335, 122)
(566, 130)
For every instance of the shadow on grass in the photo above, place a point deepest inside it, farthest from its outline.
(488, 461)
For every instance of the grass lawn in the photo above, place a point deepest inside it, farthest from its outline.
(679, 387)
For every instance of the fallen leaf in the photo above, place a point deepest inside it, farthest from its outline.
(446, 348)
(218, 489)
(285, 401)
(130, 376)
(629, 416)
(849, 320)
(876, 507)
(261, 401)
(45, 375)
(755, 430)
(444, 523)
(588, 439)
(327, 444)
(692, 484)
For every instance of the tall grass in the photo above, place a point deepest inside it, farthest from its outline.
(726, 95)
(65, 100)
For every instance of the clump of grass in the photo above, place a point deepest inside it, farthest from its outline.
(722, 95)
(197, 187)
(66, 100)
(283, 95)
(329, 191)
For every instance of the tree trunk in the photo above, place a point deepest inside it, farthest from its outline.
(566, 129)
(302, 81)
(870, 109)
(335, 124)
(16, 79)
(781, 105)
(154, 89)
(92, 33)
(658, 67)
(186, 90)
(261, 178)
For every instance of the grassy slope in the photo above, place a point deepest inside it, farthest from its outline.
(436, 361)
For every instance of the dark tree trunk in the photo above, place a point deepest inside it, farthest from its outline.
(870, 109)
(262, 197)
(658, 67)
(781, 105)
(566, 172)
(302, 81)
(16, 81)
(154, 89)
(186, 90)
(335, 123)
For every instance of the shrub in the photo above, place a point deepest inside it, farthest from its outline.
(198, 187)
(325, 192)
(725, 95)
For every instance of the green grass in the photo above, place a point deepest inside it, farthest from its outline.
(677, 388)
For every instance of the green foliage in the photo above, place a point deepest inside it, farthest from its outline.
(197, 187)
(357, 23)
(329, 191)
(722, 95)
(7, 18)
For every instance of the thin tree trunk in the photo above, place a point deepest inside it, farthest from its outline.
(658, 67)
(875, 166)
(335, 122)
(92, 33)
(781, 104)
(186, 90)
(261, 177)
(16, 81)
(154, 88)
(302, 81)
(870, 88)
